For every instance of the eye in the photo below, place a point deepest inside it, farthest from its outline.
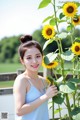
(28, 58)
(38, 56)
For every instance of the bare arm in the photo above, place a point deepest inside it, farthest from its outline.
(22, 108)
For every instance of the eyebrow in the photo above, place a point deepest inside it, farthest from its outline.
(38, 54)
(31, 55)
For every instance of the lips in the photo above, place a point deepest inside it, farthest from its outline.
(35, 66)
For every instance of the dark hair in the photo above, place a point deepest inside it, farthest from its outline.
(27, 42)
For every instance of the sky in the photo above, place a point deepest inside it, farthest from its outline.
(21, 16)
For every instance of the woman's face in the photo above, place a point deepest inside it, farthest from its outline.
(32, 59)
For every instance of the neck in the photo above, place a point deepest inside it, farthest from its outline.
(32, 75)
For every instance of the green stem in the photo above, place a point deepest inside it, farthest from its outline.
(78, 102)
(74, 74)
(71, 31)
(73, 69)
(78, 74)
(55, 74)
(73, 77)
(59, 42)
(59, 112)
(62, 61)
(74, 99)
(68, 107)
(54, 6)
(52, 109)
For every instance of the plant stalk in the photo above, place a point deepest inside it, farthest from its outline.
(52, 109)
(68, 107)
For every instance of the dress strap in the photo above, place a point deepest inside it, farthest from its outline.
(43, 84)
(30, 82)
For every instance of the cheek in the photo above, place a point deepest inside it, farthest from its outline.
(26, 61)
(40, 60)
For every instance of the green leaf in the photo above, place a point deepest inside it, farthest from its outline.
(67, 88)
(78, 3)
(69, 28)
(46, 19)
(76, 117)
(51, 79)
(47, 43)
(57, 110)
(68, 55)
(59, 80)
(77, 38)
(61, 15)
(49, 58)
(62, 35)
(61, 21)
(58, 99)
(44, 3)
(75, 111)
(74, 80)
(52, 22)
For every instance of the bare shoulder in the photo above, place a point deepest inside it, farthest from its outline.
(20, 82)
(19, 79)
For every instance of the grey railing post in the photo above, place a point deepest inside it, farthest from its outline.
(46, 72)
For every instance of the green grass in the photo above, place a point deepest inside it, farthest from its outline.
(6, 84)
(10, 67)
(4, 68)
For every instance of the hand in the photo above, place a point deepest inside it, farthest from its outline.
(51, 91)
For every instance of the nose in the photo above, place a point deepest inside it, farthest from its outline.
(34, 60)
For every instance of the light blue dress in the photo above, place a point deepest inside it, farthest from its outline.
(41, 113)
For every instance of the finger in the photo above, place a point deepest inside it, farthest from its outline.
(52, 86)
(56, 91)
(55, 88)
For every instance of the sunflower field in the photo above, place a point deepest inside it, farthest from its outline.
(67, 12)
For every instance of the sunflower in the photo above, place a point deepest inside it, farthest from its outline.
(76, 48)
(51, 65)
(70, 9)
(76, 21)
(48, 31)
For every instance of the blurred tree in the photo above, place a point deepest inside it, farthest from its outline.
(38, 37)
(9, 45)
(8, 48)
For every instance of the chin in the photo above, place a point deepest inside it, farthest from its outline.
(34, 69)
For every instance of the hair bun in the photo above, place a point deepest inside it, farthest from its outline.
(25, 38)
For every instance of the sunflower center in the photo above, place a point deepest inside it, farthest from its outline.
(76, 19)
(77, 48)
(49, 31)
(70, 9)
(51, 64)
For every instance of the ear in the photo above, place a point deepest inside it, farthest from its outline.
(22, 61)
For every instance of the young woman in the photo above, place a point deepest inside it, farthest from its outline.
(30, 93)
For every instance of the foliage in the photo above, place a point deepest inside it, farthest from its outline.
(68, 85)
(38, 37)
(9, 45)
(8, 49)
